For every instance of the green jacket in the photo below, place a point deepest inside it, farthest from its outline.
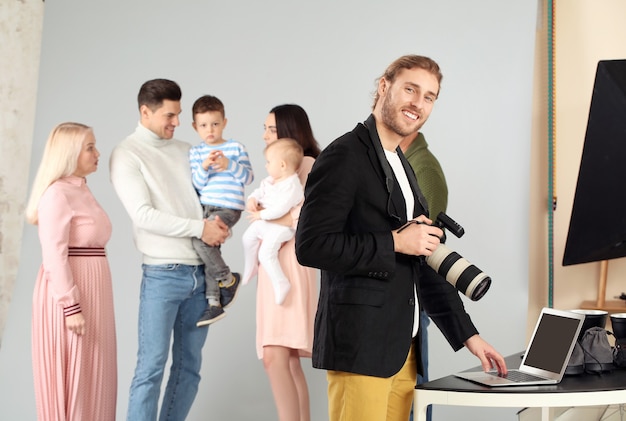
(429, 174)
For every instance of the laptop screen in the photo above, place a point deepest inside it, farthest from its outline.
(551, 343)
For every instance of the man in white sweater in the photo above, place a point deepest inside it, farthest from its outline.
(150, 173)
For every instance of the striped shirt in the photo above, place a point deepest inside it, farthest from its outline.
(223, 189)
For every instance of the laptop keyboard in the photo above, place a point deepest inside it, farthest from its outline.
(519, 377)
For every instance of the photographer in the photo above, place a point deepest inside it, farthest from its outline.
(360, 192)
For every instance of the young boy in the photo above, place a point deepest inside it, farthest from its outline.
(276, 195)
(220, 169)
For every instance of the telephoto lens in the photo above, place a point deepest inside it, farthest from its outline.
(463, 275)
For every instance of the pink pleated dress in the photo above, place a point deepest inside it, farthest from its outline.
(75, 376)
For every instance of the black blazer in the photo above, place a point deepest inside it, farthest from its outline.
(366, 307)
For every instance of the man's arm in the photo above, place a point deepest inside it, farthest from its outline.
(131, 188)
(445, 307)
(331, 233)
(214, 231)
(488, 356)
(419, 239)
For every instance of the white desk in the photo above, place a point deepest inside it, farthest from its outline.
(583, 390)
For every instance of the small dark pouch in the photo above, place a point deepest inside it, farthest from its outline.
(598, 352)
(576, 364)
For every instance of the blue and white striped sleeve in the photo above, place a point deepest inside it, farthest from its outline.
(241, 168)
(199, 176)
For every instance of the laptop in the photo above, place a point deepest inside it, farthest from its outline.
(546, 356)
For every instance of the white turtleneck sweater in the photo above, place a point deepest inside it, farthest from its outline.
(152, 178)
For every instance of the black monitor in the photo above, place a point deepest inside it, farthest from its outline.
(597, 229)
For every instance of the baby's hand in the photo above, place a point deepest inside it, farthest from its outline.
(252, 205)
(254, 216)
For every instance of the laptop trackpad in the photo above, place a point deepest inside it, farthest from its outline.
(484, 378)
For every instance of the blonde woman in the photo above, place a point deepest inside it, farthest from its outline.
(73, 329)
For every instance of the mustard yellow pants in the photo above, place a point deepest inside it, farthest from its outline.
(355, 397)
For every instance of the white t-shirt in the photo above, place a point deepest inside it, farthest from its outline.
(409, 199)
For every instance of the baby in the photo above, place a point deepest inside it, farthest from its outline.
(276, 195)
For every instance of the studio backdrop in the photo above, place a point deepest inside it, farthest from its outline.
(325, 56)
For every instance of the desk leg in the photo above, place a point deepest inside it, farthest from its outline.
(419, 411)
(547, 413)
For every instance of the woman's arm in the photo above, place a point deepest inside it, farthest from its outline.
(55, 215)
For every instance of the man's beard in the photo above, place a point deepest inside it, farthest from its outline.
(390, 118)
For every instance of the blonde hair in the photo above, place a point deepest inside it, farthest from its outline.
(290, 150)
(408, 62)
(60, 159)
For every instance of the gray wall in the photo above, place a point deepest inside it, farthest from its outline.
(325, 56)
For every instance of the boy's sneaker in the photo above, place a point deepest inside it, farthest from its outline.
(210, 315)
(228, 293)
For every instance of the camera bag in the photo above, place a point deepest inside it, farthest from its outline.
(576, 364)
(593, 354)
(597, 351)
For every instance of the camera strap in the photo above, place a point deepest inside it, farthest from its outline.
(390, 179)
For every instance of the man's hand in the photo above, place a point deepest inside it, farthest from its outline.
(76, 323)
(417, 239)
(215, 232)
(488, 356)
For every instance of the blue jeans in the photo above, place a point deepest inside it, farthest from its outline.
(215, 269)
(172, 299)
(424, 322)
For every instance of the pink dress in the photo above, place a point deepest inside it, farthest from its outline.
(290, 324)
(75, 376)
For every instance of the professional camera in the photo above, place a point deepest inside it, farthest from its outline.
(463, 275)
